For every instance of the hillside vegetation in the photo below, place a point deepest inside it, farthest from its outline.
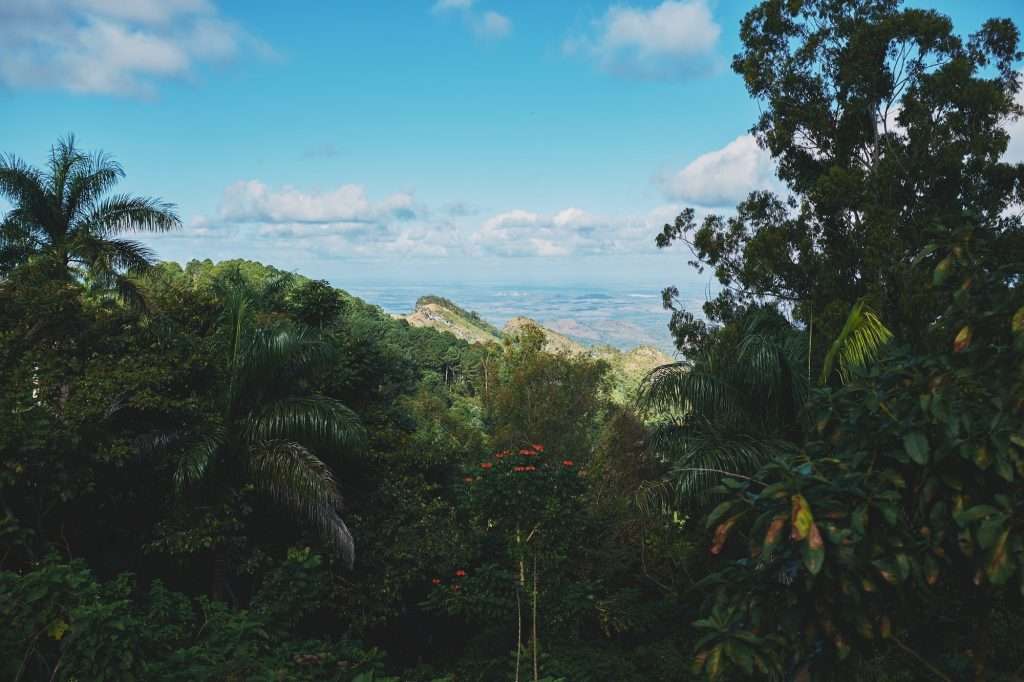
(218, 472)
(628, 368)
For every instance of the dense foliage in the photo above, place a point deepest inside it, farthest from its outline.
(233, 473)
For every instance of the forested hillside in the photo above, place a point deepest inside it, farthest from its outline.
(223, 471)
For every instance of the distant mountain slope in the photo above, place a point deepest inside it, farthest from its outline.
(443, 315)
(627, 367)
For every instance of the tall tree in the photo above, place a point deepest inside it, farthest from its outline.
(64, 220)
(887, 129)
(268, 425)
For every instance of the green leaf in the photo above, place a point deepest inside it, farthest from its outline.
(718, 512)
(942, 270)
(990, 530)
(973, 514)
(916, 445)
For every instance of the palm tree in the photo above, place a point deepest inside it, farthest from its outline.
(730, 407)
(269, 424)
(737, 402)
(63, 219)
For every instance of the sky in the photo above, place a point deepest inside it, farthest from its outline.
(408, 141)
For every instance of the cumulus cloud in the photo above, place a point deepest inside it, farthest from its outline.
(725, 176)
(489, 24)
(444, 5)
(676, 39)
(492, 25)
(570, 231)
(251, 201)
(112, 46)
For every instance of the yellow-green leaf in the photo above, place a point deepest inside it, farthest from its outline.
(963, 339)
(942, 270)
(57, 629)
(1017, 321)
(800, 517)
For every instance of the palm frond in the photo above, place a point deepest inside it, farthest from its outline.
(108, 257)
(276, 359)
(702, 455)
(24, 187)
(90, 181)
(313, 419)
(297, 478)
(196, 460)
(682, 388)
(65, 161)
(124, 213)
(858, 344)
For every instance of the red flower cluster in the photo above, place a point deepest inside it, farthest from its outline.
(460, 573)
(567, 463)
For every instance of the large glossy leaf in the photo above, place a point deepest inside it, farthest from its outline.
(800, 518)
(916, 445)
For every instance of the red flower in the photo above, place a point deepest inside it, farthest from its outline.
(486, 465)
(517, 469)
(530, 468)
(567, 463)
(460, 573)
(436, 581)
(538, 448)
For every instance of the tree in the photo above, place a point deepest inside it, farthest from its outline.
(887, 129)
(269, 421)
(64, 221)
(540, 397)
(731, 405)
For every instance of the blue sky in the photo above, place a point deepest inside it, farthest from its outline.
(414, 142)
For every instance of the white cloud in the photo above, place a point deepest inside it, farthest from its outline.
(570, 231)
(444, 5)
(725, 176)
(488, 24)
(251, 201)
(112, 46)
(492, 25)
(673, 40)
